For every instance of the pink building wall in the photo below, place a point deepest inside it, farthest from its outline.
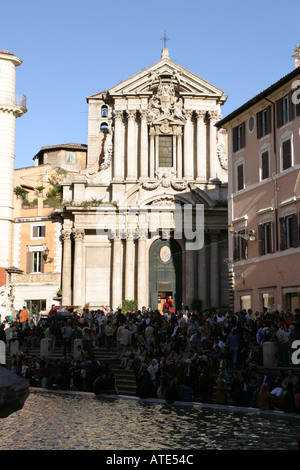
(264, 210)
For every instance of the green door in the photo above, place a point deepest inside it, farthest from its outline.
(165, 272)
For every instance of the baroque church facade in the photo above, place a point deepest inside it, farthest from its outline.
(147, 218)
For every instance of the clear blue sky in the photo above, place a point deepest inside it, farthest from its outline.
(72, 49)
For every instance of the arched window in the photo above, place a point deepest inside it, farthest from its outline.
(104, 111)
(104, 127)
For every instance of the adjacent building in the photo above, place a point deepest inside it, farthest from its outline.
(264, 196)
(12, 106)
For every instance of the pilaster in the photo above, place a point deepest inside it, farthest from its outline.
(188, 146)
(78, 267)
(131, 146)
(66, 268)
(201, 145)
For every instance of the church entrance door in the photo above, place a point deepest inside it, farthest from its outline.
(165, 273)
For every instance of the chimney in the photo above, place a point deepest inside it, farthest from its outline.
(296, 56)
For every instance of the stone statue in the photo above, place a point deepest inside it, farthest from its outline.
(108, 148)
(6, 301)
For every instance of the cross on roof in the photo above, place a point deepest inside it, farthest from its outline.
(164, 38)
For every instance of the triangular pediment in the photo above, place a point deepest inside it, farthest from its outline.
(185, 82)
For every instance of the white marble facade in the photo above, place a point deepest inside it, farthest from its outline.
(153, 150)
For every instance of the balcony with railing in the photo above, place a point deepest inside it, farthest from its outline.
(14, 101)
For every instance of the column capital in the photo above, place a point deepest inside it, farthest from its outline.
(200, 114)
(141, 233)
(144, 113)
(118, 114)
(130, 235)
(131, 114)
(188, 113)
(66, 235)
(116, 235)
(78, 233)
(213, 115)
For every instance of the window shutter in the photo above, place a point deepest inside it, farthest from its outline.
(269, 235)
(35, 231)
(258, 123)
(243, 135)
(295, 241)
(269, 112)
(244, 248)
(282, 233)
(259, 232)
(265, 165)
(272, 238)
(286, 155)
(29, 262)
(279, 112)
(235, 249)
(42, 262)
(291, 106)
(240, 177)
(234, 139)
(43, 231)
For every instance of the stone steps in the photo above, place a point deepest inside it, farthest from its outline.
(125, 379)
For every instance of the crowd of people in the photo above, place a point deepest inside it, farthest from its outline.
(205, 356)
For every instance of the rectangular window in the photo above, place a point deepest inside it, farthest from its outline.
(240, 177)
(289, 232)
(286, 154)
(71, 157)
(38, 231)
(265, 171)
(264, 122)
(165, 151)
(239, 137)
(37, 261)
(265, 239)
(285, 110)
(268, 300)
(240, 245)
(245, 301)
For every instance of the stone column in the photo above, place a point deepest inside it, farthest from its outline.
(214, 270)
(179, 153)
(202, 276)
(118, 160)
(190, 277)
(129, 267)
(152, 154)
(188, 146)
(174, 156)
(131, 161)
(117, 272)
(144, 146)
(78, 265)
(66, 268)
(214, 166)
(142, 288)
(156, 159)
(201, 173)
